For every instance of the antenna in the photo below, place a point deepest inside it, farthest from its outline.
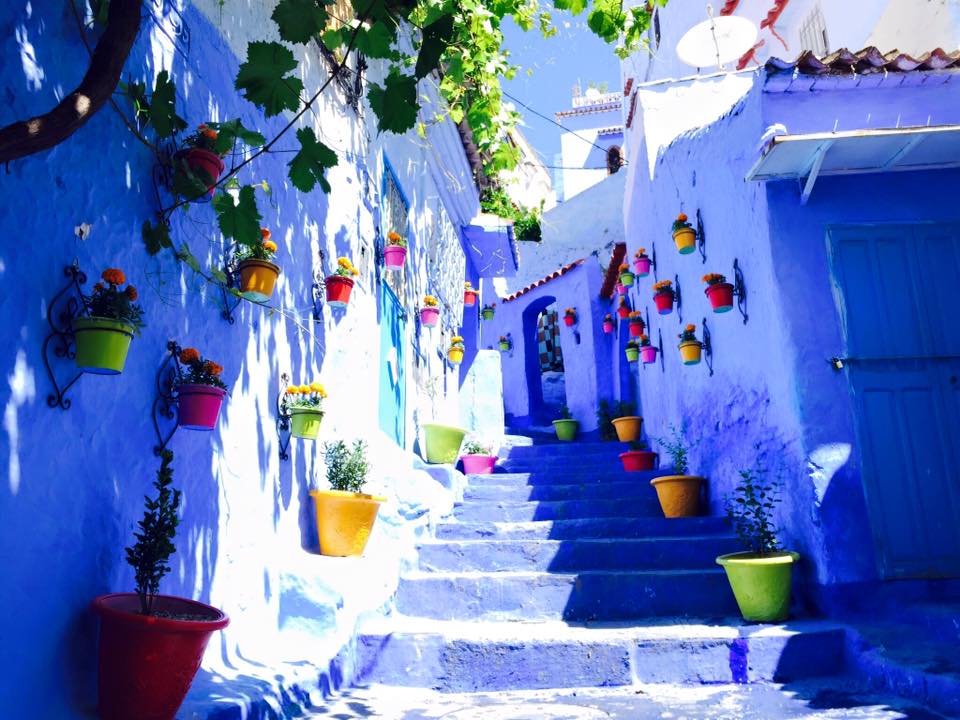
(716, 40)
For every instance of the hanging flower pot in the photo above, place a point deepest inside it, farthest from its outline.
(690, 348)
(395, 253)
(719, 292)
(455, 351)
(258, 274)
(608, 324)
(632, 351)
(200, 163)
(638, 460)
(200, 391)
(626, 277)
(442, 442)
(641, 263)
(636, 324)
(340, 284)
(102, 337)
(304, 404)
(569, 317)
(623, 310)
(648, 352)
(505, 343)
(487, 312)
(621, 288)
(663, 297)
(684, 235)
(430, 313)
(469, 295)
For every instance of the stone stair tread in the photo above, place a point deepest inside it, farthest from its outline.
(560, 541)
(515, 530)
(558, 577)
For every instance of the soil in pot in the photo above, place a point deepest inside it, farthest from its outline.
(345, 521)
(761, 585)
(679, 495)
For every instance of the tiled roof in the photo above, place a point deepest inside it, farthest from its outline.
(615, 130)
(613, 270)
(543, 281)
(633, 108)
(729, 7)
(866, 61)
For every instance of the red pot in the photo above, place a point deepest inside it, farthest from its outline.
(648, 354)
(338, 290)
(147, 663)
(394, 256)
(429, 316)
(478, 464)
(621, 288)
(623, 312)
(205, 164)
(642, 266)
(636, 328)
(569, 320)
(664, 302)
(199, 406)
(721, 296)
(607, 327)
(635, 460)
(469, 298)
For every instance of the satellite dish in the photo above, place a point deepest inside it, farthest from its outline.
(716, 41)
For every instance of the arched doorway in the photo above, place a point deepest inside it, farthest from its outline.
(543, 360)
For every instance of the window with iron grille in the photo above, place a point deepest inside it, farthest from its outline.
(446, 264)
(813, 33)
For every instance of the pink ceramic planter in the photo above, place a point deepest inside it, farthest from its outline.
(394, 256)
(648, 354)
(608, 327)
(621, 288)
(429, 316)
(478, 464)
(641, 266)
(199, 406)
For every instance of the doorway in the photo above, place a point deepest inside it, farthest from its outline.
(543, 360)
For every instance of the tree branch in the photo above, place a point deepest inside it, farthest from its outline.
(26, 137)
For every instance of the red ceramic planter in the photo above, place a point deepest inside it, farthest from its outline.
(664, 302)
(641, 266)
(429, 316)
(205, 164)
(147, 663)
(637, 460)
(338, 290)
(636, 328)
(394, 256)
(569, 320)
(623, 312)
(478, 464)
(469, 298)
(608, 327)
(648, 354)
(199, 406)
(721, 297)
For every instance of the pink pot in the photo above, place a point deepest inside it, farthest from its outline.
(621, 288)
(478, 464)
(641, 266)
(648, 354)
(608, 327)
(199, 406)
(394, 256)
(429, 316)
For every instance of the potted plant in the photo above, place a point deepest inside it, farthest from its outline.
(570, 317)
(345, 515)
(690, 348)
(679, 494)
(110, 319)
(340, 284)
(469, 294)
(608, 324)
(505, 343)
(605, 421)
(684, 235)
(623, 309)
(430, 312)
(477, 459)
(632, 351)
(663, 296)
(257, 273)
(566, 427)
(636, 323)
(442, 443)
(626, 423)
(626, 277)
(304, 404)
(488, 311)
(151, 645)
(200, 164)
(760, 577)
(641, 263)
(719, 292)
(200, 391)
(455, 351)
(621, 288)
(395, 252)
(639, 457)
(648, 352)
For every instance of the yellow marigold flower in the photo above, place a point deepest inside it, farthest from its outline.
(429, 301)
(343, 262)
(189, 355)
(269, 246)
(316, 387)
(304, 389)
(663, 285)
(293, 390)
(456, 339)
(468, 285)
(354, 271)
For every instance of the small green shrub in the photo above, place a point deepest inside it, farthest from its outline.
(472, 447)
(605, 422)
(565, 413)
(678, 448)
(750, 508)
(347, 467)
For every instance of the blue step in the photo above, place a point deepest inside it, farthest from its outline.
(505, 511)
(581, 491)
(584, 596)
(567, 476)
(562, 449)
(583, 528)
(683, 553)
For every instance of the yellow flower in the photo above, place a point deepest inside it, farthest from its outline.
(663, 285)
(269, 246)
(354, 271)
(468, 285)
(634, 314)
(343, 262)
(316, 387)
(624, 267)
(429, 301)
(304, 389)
(456, 339)
(293, 390)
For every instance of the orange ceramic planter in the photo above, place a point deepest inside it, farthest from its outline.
(628, 427)
(679, 495)
(257, 278)
(345, 521)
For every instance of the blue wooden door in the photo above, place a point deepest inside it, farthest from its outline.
(898, 285)
(392, 381)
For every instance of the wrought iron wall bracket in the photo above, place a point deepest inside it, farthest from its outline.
(283, 419)
(740, 290)
(165, 403)
(230, 292)
(653, 260)
(707, 347)
(65, 306)
(663, 368)
(678, 298)
(318, 290)
(701, 238)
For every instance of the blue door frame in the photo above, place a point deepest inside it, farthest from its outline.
(393, 391)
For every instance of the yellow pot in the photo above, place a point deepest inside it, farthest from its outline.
(257, 278)
(455, 355)
(679, 495)
(628, 427)
(345, 520)
(686, 240)
(690, 351)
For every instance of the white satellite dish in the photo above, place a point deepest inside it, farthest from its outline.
(716, 41)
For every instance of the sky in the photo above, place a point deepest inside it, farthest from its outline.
(557, 62)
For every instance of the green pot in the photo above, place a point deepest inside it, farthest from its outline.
(505, 347)
(566, 429)
(487, 314)
(761, 584)
(626, 279)
(305, 423)
(102, 344)
(443, 442)
(633, 354)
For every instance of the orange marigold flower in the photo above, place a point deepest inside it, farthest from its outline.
(131, 292)
(210, 133)
(212, 368)
(690, 328)
(189, 355)
(114, 276)
(99, 287)
(682, 217)
(265, 233)
(624, 267)
(643, 337)
(635, 315)
(269, 246)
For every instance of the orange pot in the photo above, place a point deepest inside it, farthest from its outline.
(257, 278)
(679, 495)
(628, 427)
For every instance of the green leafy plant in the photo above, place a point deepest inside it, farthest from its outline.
(266, 249)
(109, 301)
(681, 223)
(150, 555)
(750, 508)
(565, 413)
(197, 370)
(472, 447)
(625, 408)
(526, 222)
(605, 422)
(688, 334)
(678, 448)
(347, 467)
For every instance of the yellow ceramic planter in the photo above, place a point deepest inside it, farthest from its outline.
(628, 427)
(690, 352)
(686, 240)
(345, 520)
(455, 355)
(257, 278)
(679, 495)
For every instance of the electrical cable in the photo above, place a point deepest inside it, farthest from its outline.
(551, 120)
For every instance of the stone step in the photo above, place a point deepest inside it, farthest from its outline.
(685, 553)
(558, 464)
(581, 491)
(567, 450)
(567, 477)
(505, 511)
(585, 528)
(495, 656)
(584, 596)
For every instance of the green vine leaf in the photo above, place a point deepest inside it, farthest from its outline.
(231, 131)
(264, 79)
(376, 41)
(299, 20)
(163, 107)
(239, 219)
(220, 276)
(436, 38)
(395, 103)
(156, 237)
(309, 166)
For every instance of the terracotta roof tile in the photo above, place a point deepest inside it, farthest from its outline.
(543, 281)
(864, 62)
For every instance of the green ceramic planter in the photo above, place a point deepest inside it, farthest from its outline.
(626, 279)
(761, 584)
(443, 443)
(305, 423)
(566, 429)
(633, 354)
(102, 344)
(486, 314)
